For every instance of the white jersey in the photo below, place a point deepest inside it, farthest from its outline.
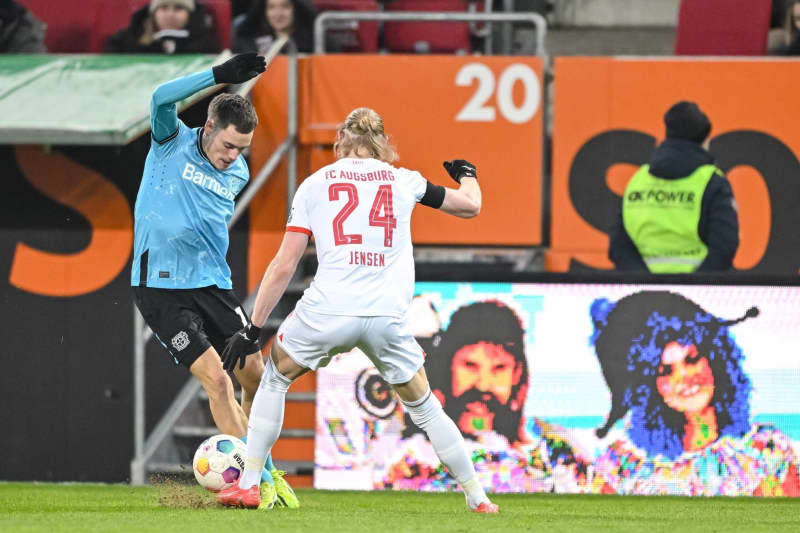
(359, 211)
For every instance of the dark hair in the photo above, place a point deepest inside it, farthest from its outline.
(489, 321)
(629, 338)
(255, 22)
(227, 108)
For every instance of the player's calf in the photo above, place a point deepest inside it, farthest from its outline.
(447, 442)
(226, 412)
(249, 377)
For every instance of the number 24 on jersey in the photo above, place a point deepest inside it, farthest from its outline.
(380, 215)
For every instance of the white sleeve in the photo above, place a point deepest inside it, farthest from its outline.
(418, 184)
(298, 215)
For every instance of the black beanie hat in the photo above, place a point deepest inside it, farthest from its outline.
(684, 120)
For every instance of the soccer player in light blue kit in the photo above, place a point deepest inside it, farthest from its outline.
(180, 276)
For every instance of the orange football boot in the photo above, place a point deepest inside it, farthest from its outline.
(233, 496)
(487, 508)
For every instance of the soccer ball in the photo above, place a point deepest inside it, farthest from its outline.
(219, 461)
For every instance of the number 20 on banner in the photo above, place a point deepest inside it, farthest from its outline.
(478, 109)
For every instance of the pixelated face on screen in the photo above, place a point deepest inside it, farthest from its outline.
(485, 383)
(628, 389)
(675, 368)
(483, 374)
(486, 367)
(685, 380)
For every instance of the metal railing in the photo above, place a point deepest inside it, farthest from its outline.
(144, 447)
(323, 21)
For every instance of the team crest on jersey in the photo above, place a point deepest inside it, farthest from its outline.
(180, 341)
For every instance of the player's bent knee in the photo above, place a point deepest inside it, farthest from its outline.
(254, 367)
(217, 384)
(284, 364)
(273, 380)
(414, 390)
(424, 410)
(222, 386)
(208, 369)
(250, 376)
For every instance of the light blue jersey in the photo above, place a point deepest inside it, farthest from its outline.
(184, 204)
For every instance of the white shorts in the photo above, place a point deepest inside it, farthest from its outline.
(312, 339)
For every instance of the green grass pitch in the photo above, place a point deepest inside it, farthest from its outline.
(51, 508)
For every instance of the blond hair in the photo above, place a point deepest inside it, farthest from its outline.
(362, 134)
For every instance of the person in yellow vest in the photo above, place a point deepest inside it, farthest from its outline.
(678, 213)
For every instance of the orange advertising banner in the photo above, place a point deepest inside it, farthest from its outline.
(484, 109)
(608, 117)
(487, 110)
(269, 210)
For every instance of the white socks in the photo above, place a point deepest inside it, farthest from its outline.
(266, 419)
(448, 443)
(264, 425)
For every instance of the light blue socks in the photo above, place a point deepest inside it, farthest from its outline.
(266, 477)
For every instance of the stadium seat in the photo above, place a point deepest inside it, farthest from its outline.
(69, 24)
(427, 37)
(358, 37)
(221, 11)
(723, 27)
(111, 17)
(81, 27)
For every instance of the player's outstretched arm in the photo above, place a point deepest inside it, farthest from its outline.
(273, 284)
(163, 109)
(278, 274)
(464, 202)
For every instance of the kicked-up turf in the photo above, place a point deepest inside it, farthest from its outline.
(51, 508)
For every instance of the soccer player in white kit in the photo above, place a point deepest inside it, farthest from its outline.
(359, 211)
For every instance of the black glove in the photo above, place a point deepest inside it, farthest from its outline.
(240, 68)
(459, 168)
(238, 347)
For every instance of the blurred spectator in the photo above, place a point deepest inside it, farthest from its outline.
(20, 31)
(791, 37)
(166, 27)
(678, 214)
(778, 15)
(268, 20)
(240, 7)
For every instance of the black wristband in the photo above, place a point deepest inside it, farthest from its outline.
(253, 332)
(434, 196)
